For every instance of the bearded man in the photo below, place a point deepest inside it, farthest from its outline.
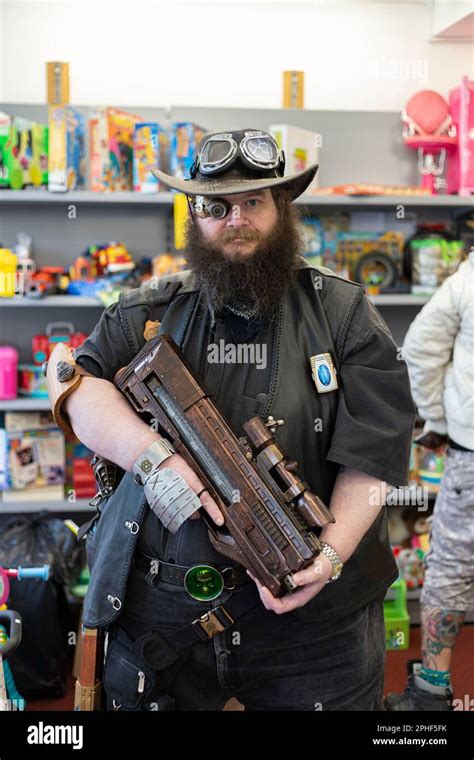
(248, 286)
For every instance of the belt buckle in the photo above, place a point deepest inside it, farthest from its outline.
(204, 582)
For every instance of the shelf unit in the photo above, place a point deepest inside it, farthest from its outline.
(24, 404)
(384, 299)
(374, 152)
(81, 505)
(166, 199)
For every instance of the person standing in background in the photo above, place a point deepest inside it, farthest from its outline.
(439, 352)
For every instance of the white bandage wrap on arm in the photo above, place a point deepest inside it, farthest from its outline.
(167, 493)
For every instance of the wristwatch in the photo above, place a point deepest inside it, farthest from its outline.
(334, 559)
(151, 458)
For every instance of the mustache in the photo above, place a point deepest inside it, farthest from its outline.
(227, 236)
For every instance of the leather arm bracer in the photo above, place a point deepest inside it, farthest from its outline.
(63, 377)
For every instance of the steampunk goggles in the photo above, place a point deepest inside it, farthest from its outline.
(257, 150)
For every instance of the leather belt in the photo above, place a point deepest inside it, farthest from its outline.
(156, 570)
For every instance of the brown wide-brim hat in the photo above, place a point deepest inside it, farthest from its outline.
(230, 184)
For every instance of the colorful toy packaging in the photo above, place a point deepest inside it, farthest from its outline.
(429, 467)
(301, 147)
(410, 563)
(111, 149)
(314, 241)
(433, 260)
(369, 257)
(461, 165)
(150, 148)
(185, 139)
(5, 124)
(23, 152)
(67, 158)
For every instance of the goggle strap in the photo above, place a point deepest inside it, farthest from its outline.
(194, 167)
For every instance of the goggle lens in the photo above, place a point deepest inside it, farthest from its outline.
(216, 152)
(262, 150)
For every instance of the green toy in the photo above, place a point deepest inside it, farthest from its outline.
(397, 619)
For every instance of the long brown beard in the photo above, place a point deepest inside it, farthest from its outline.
(259, 280)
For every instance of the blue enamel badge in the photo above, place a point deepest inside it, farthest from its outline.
(323, 372)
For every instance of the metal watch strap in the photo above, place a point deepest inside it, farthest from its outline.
(151, 458)
(334, 559)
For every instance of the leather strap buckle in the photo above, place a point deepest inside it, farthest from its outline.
(212, 622)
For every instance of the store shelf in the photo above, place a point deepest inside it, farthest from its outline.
(81, 505)
(63, 301)
(356, 201)
(24, 404)
(389, 299)
(85, 196)
(166, 199)
(394, 299)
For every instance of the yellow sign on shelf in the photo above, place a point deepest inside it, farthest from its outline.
(180, 214)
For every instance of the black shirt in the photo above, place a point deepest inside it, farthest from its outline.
(219, 379)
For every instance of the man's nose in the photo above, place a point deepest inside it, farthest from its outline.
(236, 217)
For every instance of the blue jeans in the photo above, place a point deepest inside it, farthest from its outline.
(266, 661)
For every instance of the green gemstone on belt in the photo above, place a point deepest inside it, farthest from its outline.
(203, 582)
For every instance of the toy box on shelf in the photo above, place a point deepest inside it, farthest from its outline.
(185, 139)
(111, 149)
(23, 152)
(371, 258)
(150, 148)
(80, 482)
(31, 379)
(301, 148)
(35, 458)
(433, 259)
(67, 157)
(321, 235)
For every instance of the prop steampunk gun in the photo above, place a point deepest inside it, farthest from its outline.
(270, 514)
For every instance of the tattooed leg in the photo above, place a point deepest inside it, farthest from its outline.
(439, 631)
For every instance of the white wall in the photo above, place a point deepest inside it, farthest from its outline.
(356, 55)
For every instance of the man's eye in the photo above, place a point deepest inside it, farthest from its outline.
(253, 202)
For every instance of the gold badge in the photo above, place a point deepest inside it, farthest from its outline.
(151, 329)
(324, 373)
